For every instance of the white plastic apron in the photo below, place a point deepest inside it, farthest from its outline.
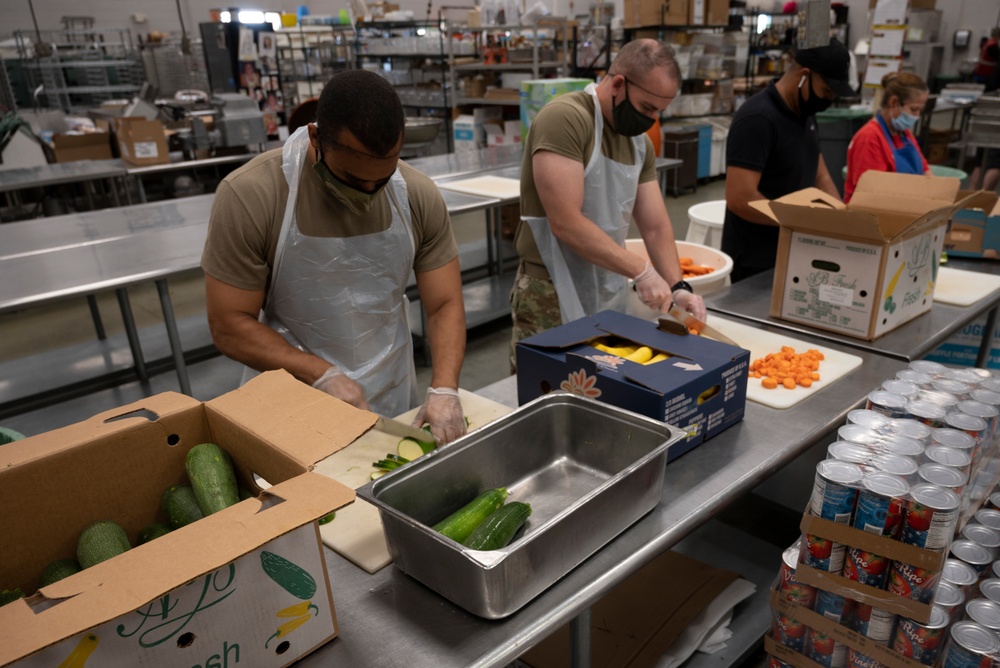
(584, 288)
(343, 299)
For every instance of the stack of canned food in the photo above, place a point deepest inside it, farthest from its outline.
(901, 469)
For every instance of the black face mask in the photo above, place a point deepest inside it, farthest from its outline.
(629, 121)
(815, 104)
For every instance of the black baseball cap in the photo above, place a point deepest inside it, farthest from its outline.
(832, 62)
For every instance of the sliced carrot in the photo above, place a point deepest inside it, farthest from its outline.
(769, 383)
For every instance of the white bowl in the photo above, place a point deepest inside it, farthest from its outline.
(703, 285)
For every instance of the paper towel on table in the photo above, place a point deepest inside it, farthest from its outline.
(708, 631)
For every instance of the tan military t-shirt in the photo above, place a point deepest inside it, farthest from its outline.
(566, 126)
(250, 203)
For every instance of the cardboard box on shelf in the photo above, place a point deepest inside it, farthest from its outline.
(643, 13)
(974, 230)
(83, 146)
(701, 388)
(865, 268)
(141, 141)
(503, 134)
(247, 581)
(708, 12)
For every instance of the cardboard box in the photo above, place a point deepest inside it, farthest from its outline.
(469, 130)
(141, 142)
(503, 134)
(974, 231)
(932, 560)
(642, 13)
(85, 146)
(209, 593)
(708, 12)
(962, 347)
(535, 94)
(865, 268)
(638, 621)
(701, 388)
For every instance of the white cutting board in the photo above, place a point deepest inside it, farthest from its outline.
(958, 287)
(356, 532)
(761, 343)
(486, 186)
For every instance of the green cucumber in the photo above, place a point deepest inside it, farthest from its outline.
(326, 519)
(411, 448)
(8, 435)
(101, 541)
(245, 494)
(57, 570)
(152, 531)
(180, 505)
(497, 529)
(213, 479)
(10, 595)
(463, 521)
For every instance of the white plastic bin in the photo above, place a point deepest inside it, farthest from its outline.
(705, 223)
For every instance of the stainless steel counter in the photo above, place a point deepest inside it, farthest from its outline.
(389, 604)
(466, 163)
(750, 299)
(59, 173)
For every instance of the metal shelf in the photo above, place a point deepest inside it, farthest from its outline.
(526, 65)
(80, 90)
(483, 101)
(123, 62)
(402, 55)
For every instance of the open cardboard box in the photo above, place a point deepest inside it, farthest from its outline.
(141, 141)
(82, 146)
(701, 388)
(864, 268)
(248, 583)
(974, 230)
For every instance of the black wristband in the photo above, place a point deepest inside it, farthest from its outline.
(681, 285)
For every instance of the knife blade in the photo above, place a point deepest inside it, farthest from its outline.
(387, 425)
(699, 327)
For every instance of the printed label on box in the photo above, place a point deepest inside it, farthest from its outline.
(146, 149)
(836, 295)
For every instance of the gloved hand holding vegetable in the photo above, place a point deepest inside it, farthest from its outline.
(442, 410)
(652, 289)
(690, 302)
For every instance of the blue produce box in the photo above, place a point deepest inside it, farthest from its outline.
(701, 388)
(974, 231)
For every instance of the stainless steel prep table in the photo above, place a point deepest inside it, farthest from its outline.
(177, 163)
(750, 299)
(436, 633)
(79, 171)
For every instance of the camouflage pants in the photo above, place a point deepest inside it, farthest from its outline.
(534, 308)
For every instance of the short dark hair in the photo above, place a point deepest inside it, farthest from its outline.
(366, 105)
(639, 56)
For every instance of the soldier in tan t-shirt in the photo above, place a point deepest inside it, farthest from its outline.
(320, 240)
(587, 170)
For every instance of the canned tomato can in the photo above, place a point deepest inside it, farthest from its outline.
(972, 375)
(953, 457)
(975, 555)
(951, 599)
(788, 586)
(946, 400)
(901, 387)
(910, 428)
(921, 642)
(943, 476)
(868, 419)
(913, 582)
(970, 646)
(835, 490)
(833, 606)
(822, 554)
(918, 378)
(880, 505)
(889, 404)
(930, 518)
(930, 413)
(899, 465)
(856, 659)
(866, 567)
(993, 501)
(845, 451)
(873, 623)
(951, 386)
(993, 571)
(790, 632)
(990, 587)
(933, 369)
(953, 438)
(775, 662)
(986, 396)
(960, 574)
(855, 433)
(826, 651)
(988, 516)
(991, 383)
(984, 612)
(982, 535)
(899, 445)
(987, 413)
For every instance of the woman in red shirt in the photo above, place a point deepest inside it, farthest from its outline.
(886, 143)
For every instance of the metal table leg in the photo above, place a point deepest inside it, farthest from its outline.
(983, 356)
(95, 314)
(142, 191)
(113, 185)
(173, 335)
(579, 640)
(492, 249)
(132, 333)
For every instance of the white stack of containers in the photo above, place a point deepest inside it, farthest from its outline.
(898, 563)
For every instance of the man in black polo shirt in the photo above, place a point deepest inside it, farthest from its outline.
(773, 150)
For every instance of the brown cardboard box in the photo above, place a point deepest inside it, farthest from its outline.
(222, 585)
(708, 12)
(88, 146)
(637, 622)
(974, 231)
(141, 141)
(865, 268)
(640, 13)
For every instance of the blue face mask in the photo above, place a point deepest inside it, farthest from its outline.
(904, 122)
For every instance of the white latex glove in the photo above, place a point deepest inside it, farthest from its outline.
(690, 302)
(442, 410)
(338, 384)
(653, 291)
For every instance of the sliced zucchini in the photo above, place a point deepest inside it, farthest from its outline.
(386, 464)
(410, 448)
(377, 474)
(396, 458)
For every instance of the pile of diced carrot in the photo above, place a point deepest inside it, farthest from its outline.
(691, 269)
(787, 368)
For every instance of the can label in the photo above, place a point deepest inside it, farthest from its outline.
(928, 528)
(790, 632)
(866, 567)
(822, 554)
(912, 582)
(826, 651)
(833, 501)
(873, 623)
(832, 606)
(878, 514)
(957, 656)
(775, 662)
(856, 659)
(795, 591)
(918, 642)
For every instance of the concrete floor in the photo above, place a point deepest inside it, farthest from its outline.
(57, 327)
